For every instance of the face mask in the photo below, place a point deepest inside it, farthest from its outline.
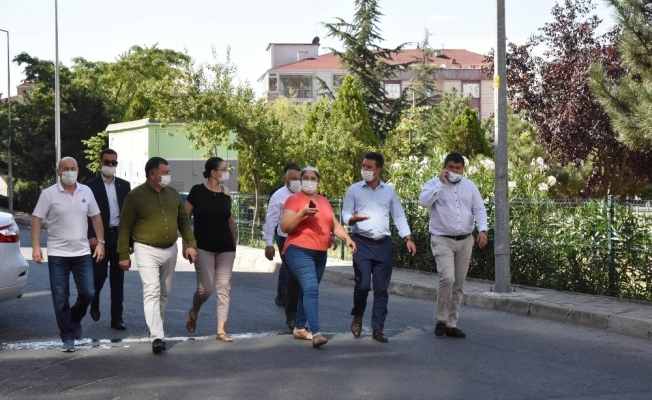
(165, 180)
(108, 171)
(368, 176)
(69, 177)
(225, 177)
(309, 187)
(295, 186)
(453, 177)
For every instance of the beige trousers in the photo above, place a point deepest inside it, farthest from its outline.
(452, 257)
(156, 267)
(214, 271)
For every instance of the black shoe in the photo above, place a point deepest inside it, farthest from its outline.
(356, 325)
(95, 314)
(158, 346)
(280, 299)
(290, 324)
(118, 325)
(454, 332)
(440, 328)
(77, 329)
(379, 337)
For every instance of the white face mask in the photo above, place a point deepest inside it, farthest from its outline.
(295, 186)
(69, 177)
(453, 177)
(165, 180)
(309, 187)
(368, 176)
(225, 177)
(108, 171)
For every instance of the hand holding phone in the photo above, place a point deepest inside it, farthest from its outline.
(312, 204)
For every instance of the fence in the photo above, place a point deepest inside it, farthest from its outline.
(597, 246)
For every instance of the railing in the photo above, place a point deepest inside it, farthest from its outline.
(598, 246)
(298, 93)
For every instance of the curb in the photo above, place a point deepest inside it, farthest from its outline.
(527, 303)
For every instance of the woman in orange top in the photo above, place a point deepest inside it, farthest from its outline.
(308, 220)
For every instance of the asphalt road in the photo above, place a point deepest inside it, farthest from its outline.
(504, 357)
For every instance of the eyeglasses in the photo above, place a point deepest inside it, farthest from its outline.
(222, 170)
(110, 162)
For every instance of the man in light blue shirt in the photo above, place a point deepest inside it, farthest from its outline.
(367, 207)
(456, 206)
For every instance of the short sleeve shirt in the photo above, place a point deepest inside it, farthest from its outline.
(67, 216)
(212, 213)
(314, 232)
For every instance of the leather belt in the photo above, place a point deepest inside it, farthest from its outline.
(370, 240)
(460, 237)
(163, 247)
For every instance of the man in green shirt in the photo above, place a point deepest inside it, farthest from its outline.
(154, 212)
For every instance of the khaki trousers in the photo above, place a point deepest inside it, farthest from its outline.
(156, 267)
(452, 257)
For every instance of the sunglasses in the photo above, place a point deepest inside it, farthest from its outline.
(110, 162)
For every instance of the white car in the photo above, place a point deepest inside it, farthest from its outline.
(13, 266)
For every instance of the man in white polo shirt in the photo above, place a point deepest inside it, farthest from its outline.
(67, 205)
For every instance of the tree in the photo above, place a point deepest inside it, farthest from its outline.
(422, 89)
(466, 135)
(628, 98)
(370, 64)
(554, 93)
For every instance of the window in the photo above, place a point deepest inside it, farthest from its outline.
(393, 90)
(273, 83)
(471, 89)
(337, 82)
(299, 86)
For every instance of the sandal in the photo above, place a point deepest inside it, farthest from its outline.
(318, 340)
(191, 324)
(224, 337)
(301, 334)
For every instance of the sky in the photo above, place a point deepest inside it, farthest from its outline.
(102, 30)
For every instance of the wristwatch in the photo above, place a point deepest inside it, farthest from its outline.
(101, 241)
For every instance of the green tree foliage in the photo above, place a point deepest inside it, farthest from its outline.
(135, 83)
(628, 99)
(370, 64)
(95, 145)
(466, 135)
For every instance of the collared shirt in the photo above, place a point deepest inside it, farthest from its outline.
(67, 216)
(377, 204)
(155, 217)
(453, 208)
(114, 208)
(274, 211)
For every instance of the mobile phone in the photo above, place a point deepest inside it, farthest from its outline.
(312, 204)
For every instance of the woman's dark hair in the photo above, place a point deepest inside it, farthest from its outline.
(310, 168)
(454, 157)
(212, 164)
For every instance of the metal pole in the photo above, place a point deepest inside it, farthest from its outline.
(10, 183)
(57, 107)
(611, 247)
(502, 234)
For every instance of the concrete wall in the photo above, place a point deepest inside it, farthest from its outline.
(282, 54)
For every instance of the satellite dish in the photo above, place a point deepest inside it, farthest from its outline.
(315, 40)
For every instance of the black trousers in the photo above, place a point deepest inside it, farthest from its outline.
(110, 266)
(292, 287)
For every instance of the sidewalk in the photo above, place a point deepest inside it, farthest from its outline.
(632, 318)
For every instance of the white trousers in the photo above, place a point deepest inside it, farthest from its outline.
(156, 267)
(452, 257)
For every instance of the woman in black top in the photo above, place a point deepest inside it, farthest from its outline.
(210, 203)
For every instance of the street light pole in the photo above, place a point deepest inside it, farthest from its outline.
(10, 178)
(57, 107)
(502, 234)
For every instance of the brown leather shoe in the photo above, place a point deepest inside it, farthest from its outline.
(379, 337)
(318, 340)
(356, 326)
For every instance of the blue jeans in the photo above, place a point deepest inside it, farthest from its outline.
(308, 266)
(82, 272)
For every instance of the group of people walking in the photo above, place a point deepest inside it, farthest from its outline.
(304, 224)
(94, 228)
